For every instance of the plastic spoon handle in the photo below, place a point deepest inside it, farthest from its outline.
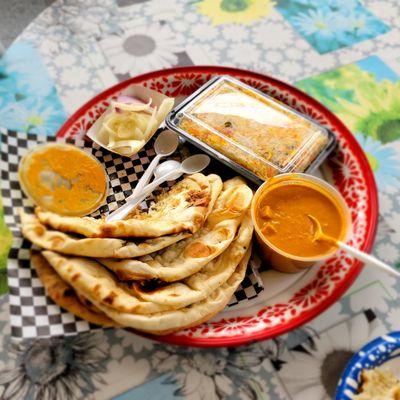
(368, 259)
(133, 201)
(145, 179)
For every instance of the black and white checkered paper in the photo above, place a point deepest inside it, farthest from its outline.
(32, 313)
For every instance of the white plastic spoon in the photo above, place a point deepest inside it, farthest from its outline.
(166, 167)
(190, 165)
(166, 143)
(360, 255)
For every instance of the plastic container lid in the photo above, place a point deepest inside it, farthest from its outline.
(254, 130)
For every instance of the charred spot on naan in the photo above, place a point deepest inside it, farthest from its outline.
(84, 300)
(57, 241)
(75, 276)
(96, 288)
(69, 292)
(109, 299)
(58, 290)
(197, 250)
(124, 275)
(39, 229)
(107, 230)
(222, 234)
(88, 304)
(148, 286)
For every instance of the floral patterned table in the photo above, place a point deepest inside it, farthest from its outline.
(343, 52)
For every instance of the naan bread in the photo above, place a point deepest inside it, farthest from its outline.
(181, 209)
(216, 187)
(64, 295)
(93, 281)
(167, 322)
(198, 286)
(188, 256)
(180, 260)
(61, 242)
(41, 236)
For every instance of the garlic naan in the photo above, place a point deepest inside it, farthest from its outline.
(64, 295)
(182, 209)
(64, 243)
(167, 322)
(188, 256)
(61, 242)
(92, 280)
(198, 286)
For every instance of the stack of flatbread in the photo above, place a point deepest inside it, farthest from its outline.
(172, 267)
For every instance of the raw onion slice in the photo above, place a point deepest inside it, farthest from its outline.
(145, 107)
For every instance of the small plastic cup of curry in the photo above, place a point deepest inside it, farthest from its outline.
(64, 179)
(281, 211)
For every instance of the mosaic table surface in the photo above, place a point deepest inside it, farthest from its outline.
(343, 52)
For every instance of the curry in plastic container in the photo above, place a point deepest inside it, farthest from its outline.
(281, 211)
(250, 131)
(64, 179)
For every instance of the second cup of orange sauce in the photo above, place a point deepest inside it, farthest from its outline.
(284, 230)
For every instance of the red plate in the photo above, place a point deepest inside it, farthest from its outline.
(288, 301)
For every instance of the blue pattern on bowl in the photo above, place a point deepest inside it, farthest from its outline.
(375, 353)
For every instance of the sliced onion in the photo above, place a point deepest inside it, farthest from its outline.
(130, 122)
(146, 107)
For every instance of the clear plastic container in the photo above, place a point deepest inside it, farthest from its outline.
(249, 131)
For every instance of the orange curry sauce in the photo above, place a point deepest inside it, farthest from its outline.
(63, 179)
(282, 217)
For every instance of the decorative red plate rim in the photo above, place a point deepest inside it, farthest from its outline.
(371, 212)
